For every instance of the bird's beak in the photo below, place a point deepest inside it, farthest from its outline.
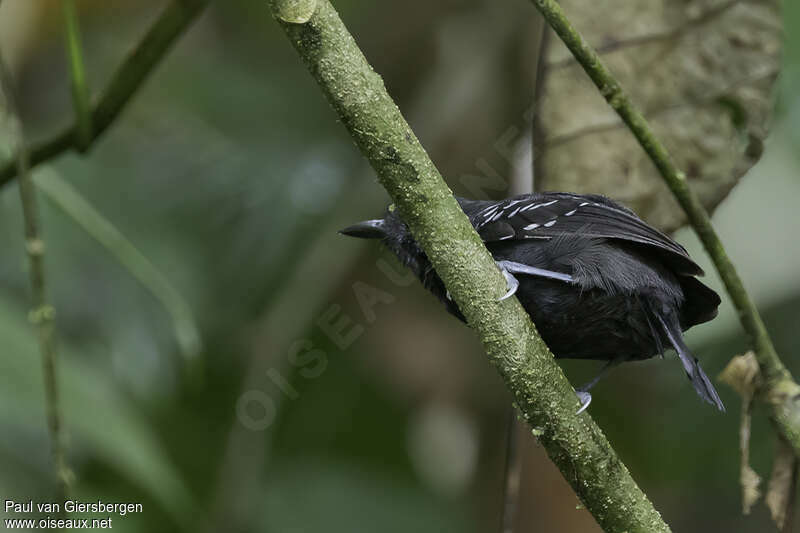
(369, 229)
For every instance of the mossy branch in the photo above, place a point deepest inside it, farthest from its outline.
(127, 79)
(780, 389)
(42, 313)
(542, 393)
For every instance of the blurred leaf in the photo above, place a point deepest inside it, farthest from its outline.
(750, 493)
(703, 73)
(782, 484)
(742, 374)
(76, 207)
(100, 420)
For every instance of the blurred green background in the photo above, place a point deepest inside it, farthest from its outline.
(231, 174)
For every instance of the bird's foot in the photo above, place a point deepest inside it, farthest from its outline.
(585, 398)
(511, 282)
(509, 268)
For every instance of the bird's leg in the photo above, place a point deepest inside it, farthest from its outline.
(511, 282)
(583, 392)
(509, 268)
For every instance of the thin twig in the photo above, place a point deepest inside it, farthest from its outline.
(781, 389)
(127, 79)
(542, 393)
(42, 313)
(80, 91)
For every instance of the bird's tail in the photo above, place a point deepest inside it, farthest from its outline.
(700, 381)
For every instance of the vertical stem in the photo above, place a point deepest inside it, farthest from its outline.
(512, 473)
(42, 313)
(540, 74)
(80, 91)
(788, 519)
(618, 99)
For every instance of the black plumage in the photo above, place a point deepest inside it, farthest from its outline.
(598, 282)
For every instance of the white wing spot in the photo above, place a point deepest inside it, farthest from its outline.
(548, 224)
(583, 204)
(495, 212)
(570, 213)
(537, 206)
(504, 237)
(514, 212)
(486, 210)
(489, 212)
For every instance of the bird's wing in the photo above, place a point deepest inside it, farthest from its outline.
(549, 215)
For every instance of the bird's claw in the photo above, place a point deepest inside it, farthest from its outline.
(585, 399)
(509, 268)
(511, 282)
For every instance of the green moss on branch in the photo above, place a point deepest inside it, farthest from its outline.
(542, 393)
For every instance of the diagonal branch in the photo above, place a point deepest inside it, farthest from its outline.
(127, 79)
(780, 389)
(357, 94)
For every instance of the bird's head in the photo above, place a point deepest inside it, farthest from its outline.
(367, 229)
(393, 232)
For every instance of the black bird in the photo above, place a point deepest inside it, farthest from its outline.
(598, 282)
